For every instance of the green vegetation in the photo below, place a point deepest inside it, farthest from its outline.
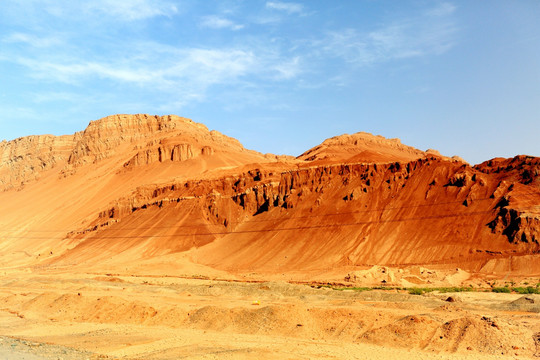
(420, 291)
(526, 290)
(359, 289)
(423, 290)
(519, 290)
(416, 291)
(505, 289)
(343, 288)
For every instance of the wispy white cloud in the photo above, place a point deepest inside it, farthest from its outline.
(188, 67)
(29, 13)
(119, 60)
(209, 66)
(430, 34)
(443, 9)
(12, 113)
(32, 40)
(58, 96)
(289, 68)
(133, 9)
(288, 7)
(74, 72)
(172, 78)
(218, 22)
(182, 99)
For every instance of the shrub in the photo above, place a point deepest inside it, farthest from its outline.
(526, 290)
(416, 291)
(501, 290)
(455, 289)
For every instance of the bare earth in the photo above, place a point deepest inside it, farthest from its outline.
(152, 237)
(98, 316)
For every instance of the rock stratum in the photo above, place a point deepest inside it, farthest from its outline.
(163, 194)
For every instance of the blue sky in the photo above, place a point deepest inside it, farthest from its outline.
(462, 77)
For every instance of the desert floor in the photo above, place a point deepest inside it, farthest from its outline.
(104, 316)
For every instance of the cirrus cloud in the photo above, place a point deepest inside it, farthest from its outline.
(288, 7)
(218, 22)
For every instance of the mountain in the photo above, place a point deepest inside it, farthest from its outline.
(361, 147)
(163, 194)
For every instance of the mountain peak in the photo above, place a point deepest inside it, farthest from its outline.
(361, 147)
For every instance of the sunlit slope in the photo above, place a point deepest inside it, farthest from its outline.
(429, 211)
(159, 194)
(43, 206)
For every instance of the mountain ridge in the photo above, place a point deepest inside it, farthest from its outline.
(133, 189)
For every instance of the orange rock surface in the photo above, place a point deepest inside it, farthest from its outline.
(163, 194)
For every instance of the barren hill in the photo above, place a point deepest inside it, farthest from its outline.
(361, 147)
(165, 195)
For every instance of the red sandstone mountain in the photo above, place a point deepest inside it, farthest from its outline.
(361, 147)
(164, 194)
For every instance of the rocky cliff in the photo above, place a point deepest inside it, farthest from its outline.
(427, 211)
(103, 138)
(141, 139)
(138, 187)
(24, 159)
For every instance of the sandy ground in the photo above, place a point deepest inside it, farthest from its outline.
(95, 316)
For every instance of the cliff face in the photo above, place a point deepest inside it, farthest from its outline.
(102, 138)
(427, 211)
(523, 169)
(163, 152)
(143, 139)
(518, 216)
(22, 160)
(137, 187)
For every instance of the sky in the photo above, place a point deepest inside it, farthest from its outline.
(462, 77)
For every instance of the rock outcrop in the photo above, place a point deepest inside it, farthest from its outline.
(102, 138)
(518, 226)
(151, 186)
(146, 139)
(523, 169)
(24, 159)
(352, 208)
(362, 147)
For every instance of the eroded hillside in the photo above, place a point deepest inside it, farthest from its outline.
(145, 191)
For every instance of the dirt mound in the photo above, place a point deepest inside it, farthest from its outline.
(485, 335)
(264, 320)
(411, 331)
(291, 320)
(153, 316)
(452, 307)
(17, 349)
(463, 334)
(411, 276)
(530, 303)
(527, 299)
(83, 308)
